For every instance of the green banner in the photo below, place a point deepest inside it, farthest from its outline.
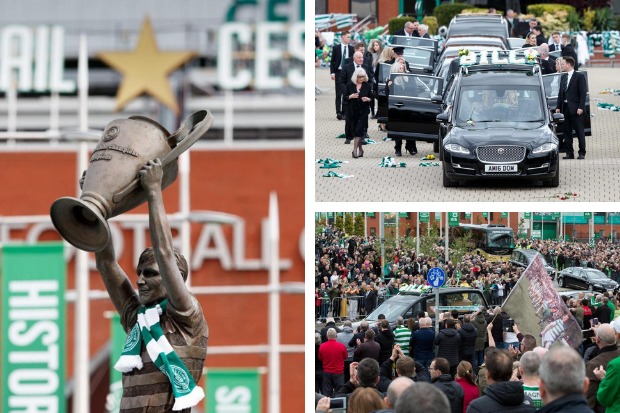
(467, 215)
(403, 214)
(233, 390)
(330, 215)
(453, 219)
(527, 215)
(370, 214)
(504, 214)
(33, 328)
(587, 215)
(437, 216)
(485, 215)
(425, 216)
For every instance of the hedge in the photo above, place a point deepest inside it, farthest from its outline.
(539, 9)
(445, 12)
(431, 22)
(398, 23)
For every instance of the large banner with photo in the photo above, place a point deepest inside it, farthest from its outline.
(538, 309)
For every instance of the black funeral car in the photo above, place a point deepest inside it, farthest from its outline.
(586, 279)
(496, 124)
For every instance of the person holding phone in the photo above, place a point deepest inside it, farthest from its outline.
(605, 340)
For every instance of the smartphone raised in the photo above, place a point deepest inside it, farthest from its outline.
(338, 403)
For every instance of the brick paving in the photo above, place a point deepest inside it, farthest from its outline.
(595, 179)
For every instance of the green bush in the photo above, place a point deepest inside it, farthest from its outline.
(574, 21)
(445, 12)
(398, 23)
(431, 22)
(539, 9)
(603, 19)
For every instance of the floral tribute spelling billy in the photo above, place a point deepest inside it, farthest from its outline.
(492, 57)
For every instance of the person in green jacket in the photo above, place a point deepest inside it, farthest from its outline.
(608, 393)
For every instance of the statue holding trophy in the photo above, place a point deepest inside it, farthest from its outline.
(166, 344)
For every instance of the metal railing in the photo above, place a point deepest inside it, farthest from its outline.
(345, 308)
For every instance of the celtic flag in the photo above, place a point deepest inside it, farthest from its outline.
(148, 330)
(538, 309)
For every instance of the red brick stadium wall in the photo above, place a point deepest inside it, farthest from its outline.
(232, 182)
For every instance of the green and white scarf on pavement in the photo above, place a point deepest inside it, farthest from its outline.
(149, 331)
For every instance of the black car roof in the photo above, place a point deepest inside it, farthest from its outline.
(441, 291)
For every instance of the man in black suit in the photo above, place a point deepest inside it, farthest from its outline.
(557, 42)
(567, 49)
(540, 37)
(572, 103)
(409, 30)
(511, 21)
(532, 23)
(423, 31)
(546, 65)
(340, 52)
(345, 78)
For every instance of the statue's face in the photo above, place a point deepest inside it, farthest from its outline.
(150, 286)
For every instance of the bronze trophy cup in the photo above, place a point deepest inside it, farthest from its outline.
(111, 186)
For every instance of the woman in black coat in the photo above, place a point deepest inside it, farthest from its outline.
(358, 95)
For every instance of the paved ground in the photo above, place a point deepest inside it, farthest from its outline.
(594, 179)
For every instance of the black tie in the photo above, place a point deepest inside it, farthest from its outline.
(557, 47)
(358, 66)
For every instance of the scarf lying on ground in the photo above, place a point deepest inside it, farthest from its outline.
(149, 331)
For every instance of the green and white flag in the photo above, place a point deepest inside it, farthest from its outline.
(33, 328)
(149, 331)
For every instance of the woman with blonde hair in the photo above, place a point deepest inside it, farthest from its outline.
(375, 49)
(465, 378)
(358, 93)
(365, 400)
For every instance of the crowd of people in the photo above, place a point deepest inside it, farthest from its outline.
(354, 68)
(474, 363)
(521, 378)
(351, 281)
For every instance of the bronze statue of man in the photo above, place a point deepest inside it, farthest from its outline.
(156, 384)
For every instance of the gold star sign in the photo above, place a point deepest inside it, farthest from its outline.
(146, 70)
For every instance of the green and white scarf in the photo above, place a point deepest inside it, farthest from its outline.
(148, 330)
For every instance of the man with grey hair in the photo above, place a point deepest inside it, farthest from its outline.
(422, 397)
(528, 368)
(546, 66)
(332, 354)
(563, 382)
(395, 389)
(409, 30)
(423, 31)
(605, 339)
(346, 337)
(421, 345)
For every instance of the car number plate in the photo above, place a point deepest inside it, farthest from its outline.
(501, 168)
